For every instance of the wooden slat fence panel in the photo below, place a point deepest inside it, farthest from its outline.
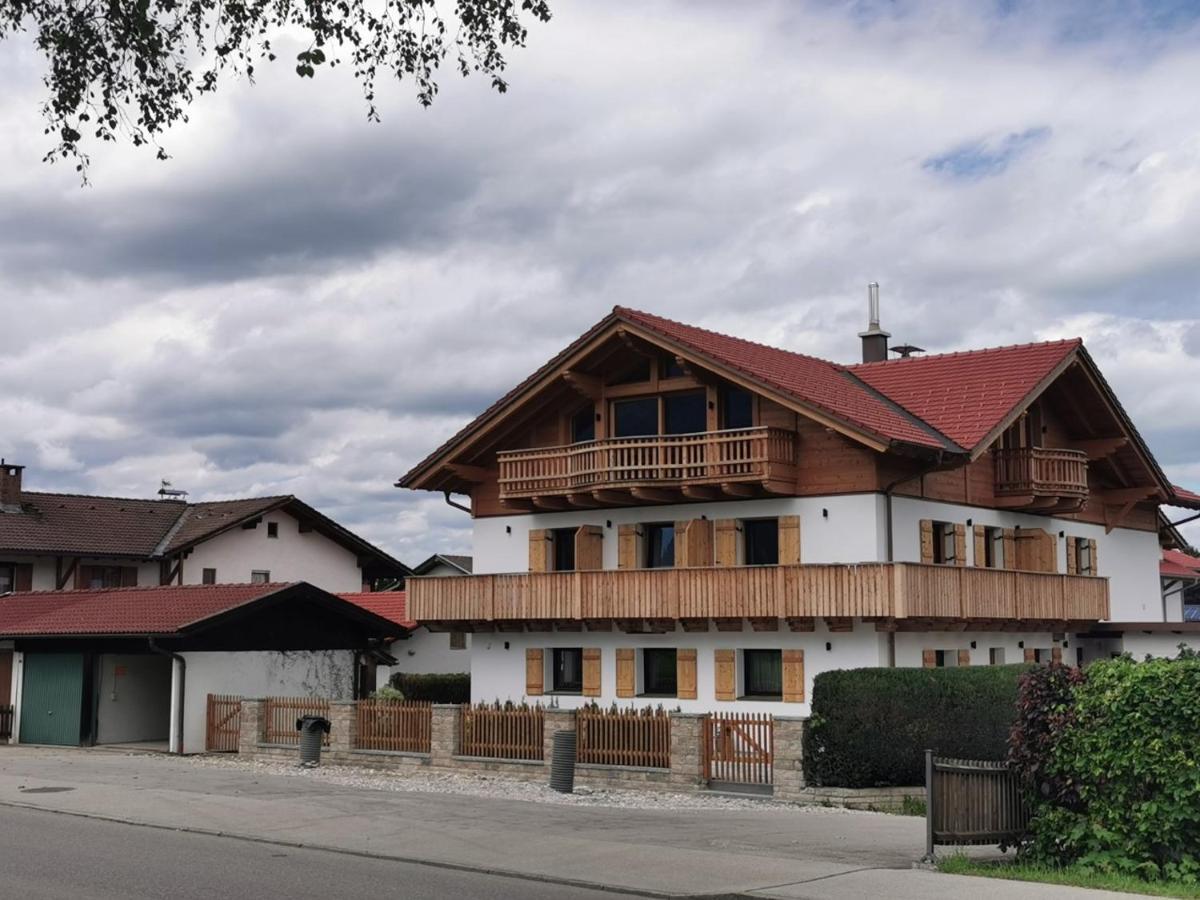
(280, 715)
(223, 723)
(740, 748)
(972, 801)
(501, 733)
(628, 737)
(396, 726)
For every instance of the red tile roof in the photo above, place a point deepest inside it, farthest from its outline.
(1184, 497)
(112, 611)
(966, 395)
(201, 520)
(1176, 564)
(390, 605)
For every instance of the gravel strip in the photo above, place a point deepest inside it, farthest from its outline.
(499, 787)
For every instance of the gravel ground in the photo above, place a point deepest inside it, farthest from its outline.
(481, 785)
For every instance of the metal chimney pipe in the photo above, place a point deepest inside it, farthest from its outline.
(874, 339)
(873, 306)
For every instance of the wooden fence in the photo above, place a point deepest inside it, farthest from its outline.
(624, 738)
(970, 801)
(398, 726)
(740, 749)
(501, 733)
(223, 723)
(280, 714)
(6, 722)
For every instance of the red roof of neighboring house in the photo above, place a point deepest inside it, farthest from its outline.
(1176, 564)
(1184, 497)
(135, 610)
(390, 605)
(966, 395)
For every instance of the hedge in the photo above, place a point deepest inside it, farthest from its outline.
(871, 727)
(454, 688)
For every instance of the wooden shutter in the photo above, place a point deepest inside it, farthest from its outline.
(22, 581)
(129, 576)
(627, 546)
(960, 544)
(793, 676)
(1030, 655)
(1036, 550)
(1010, 548)
(726, 542)
(929, 659)
(725, 673)
(693, 543)
(540, 545)
(980, 545)
(685, 674)
(927, 540)
(1095, 562)
(591, 671)
(626, 677)
(964, 657)
(1072, 558)
(1056, 654)
(589, 548)
(535, 672)
(789, 542)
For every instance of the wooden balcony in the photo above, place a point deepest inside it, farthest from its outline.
(922, 595)
(1041, 479)
(659, 468)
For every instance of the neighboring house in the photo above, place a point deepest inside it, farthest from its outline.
(444, 564)
(666, 513)
(63, 541)
(136, 665)
(1180, 574)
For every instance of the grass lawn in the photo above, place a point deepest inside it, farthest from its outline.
(964, 865)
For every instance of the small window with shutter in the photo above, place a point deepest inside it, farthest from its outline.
(659, 672)
(566, 674)
(762, 674)
(945, 544)
(761, 541)
(659, 545)
(993, 545)
(563, 540)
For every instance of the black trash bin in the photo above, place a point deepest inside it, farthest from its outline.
(312, 734)
(562, 762)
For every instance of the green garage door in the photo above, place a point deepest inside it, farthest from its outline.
(52, 698)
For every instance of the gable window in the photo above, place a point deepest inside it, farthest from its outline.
(761, 537)
(762, 674)
(737, 408)
(208, 576)
(272, 529)
(639, 372)
(660, 545)
(993, 547)
(672, 369)
(563, 540)
(685, 413)
(583, 425)
(659, 673)
(943, 543)
(566, 676)
(260, 576)
(635, 418)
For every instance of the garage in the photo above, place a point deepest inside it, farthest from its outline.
(52, 708)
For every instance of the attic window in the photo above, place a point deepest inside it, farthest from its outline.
(272, 529)
(260, 576)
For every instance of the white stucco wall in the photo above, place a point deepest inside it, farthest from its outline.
(1141, 645)
(301, 673)
(852, 532)
(134, 699)
(910, 645)
(292, 556)
(425, 652)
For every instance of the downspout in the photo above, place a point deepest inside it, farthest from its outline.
(454, 503)
(180, 693)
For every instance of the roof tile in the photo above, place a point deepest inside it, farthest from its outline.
(390, 605)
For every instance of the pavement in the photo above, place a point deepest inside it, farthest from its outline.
(772, 851)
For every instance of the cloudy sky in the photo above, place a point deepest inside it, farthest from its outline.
(302, 302)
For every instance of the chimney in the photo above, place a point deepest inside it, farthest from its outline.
(874, 339)
(10, 487)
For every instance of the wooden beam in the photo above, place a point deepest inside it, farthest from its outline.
(700, 492)
(1127, 495)
(510, 625)
(1100, 448)
(839, 623)
(635, 346)
(764, 623)
(694, 626)
(590, 386)
(540, 624)
(586, 501)
(801, 623)
(1113, 517)
(598, 624)
(552, 503)
(63, 576)
(518, 505)
(661, 626)
(568, 625)
(728, 624)
(614, 498)
(886, 625)
(655, 495)
(1020, 501)
(737, 490)
(477, 474)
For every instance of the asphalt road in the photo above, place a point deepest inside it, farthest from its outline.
(49, 856)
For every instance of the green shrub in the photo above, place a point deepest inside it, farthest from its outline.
(872, 727)
(1131, 754)
(1045, 709)
(454, 688)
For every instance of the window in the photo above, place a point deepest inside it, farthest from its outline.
(583, 425)
(563, 540)
(8, 579)
(993, 547)
(761, 538)
(946, 659)
(672, 369)
(105, 577)
(272, 529)
(762, 673)
(737, 408)
(685, 413)
(208, 576)
(635, 418)
(638, 373)
(1043, 656)
(996, 656)
(660, 545)
(658, 673)
(943, 543)
(260, 576)
(458, 640)
(567, 670)
(1083, 557)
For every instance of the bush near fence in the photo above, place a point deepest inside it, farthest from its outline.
(455, 688)
(501, 732)
(623, 737)
(871, 727)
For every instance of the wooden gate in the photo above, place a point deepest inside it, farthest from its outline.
(224, 723)
(739, 750)
(971, 801)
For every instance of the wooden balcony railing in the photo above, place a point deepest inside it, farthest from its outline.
(739, 456)
(869, 590)
(1041, 477)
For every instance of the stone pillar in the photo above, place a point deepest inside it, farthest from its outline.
(554, 720)
(343, 731)
(250, 730)
(789, 757)
(443, 736)
(687, 751)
